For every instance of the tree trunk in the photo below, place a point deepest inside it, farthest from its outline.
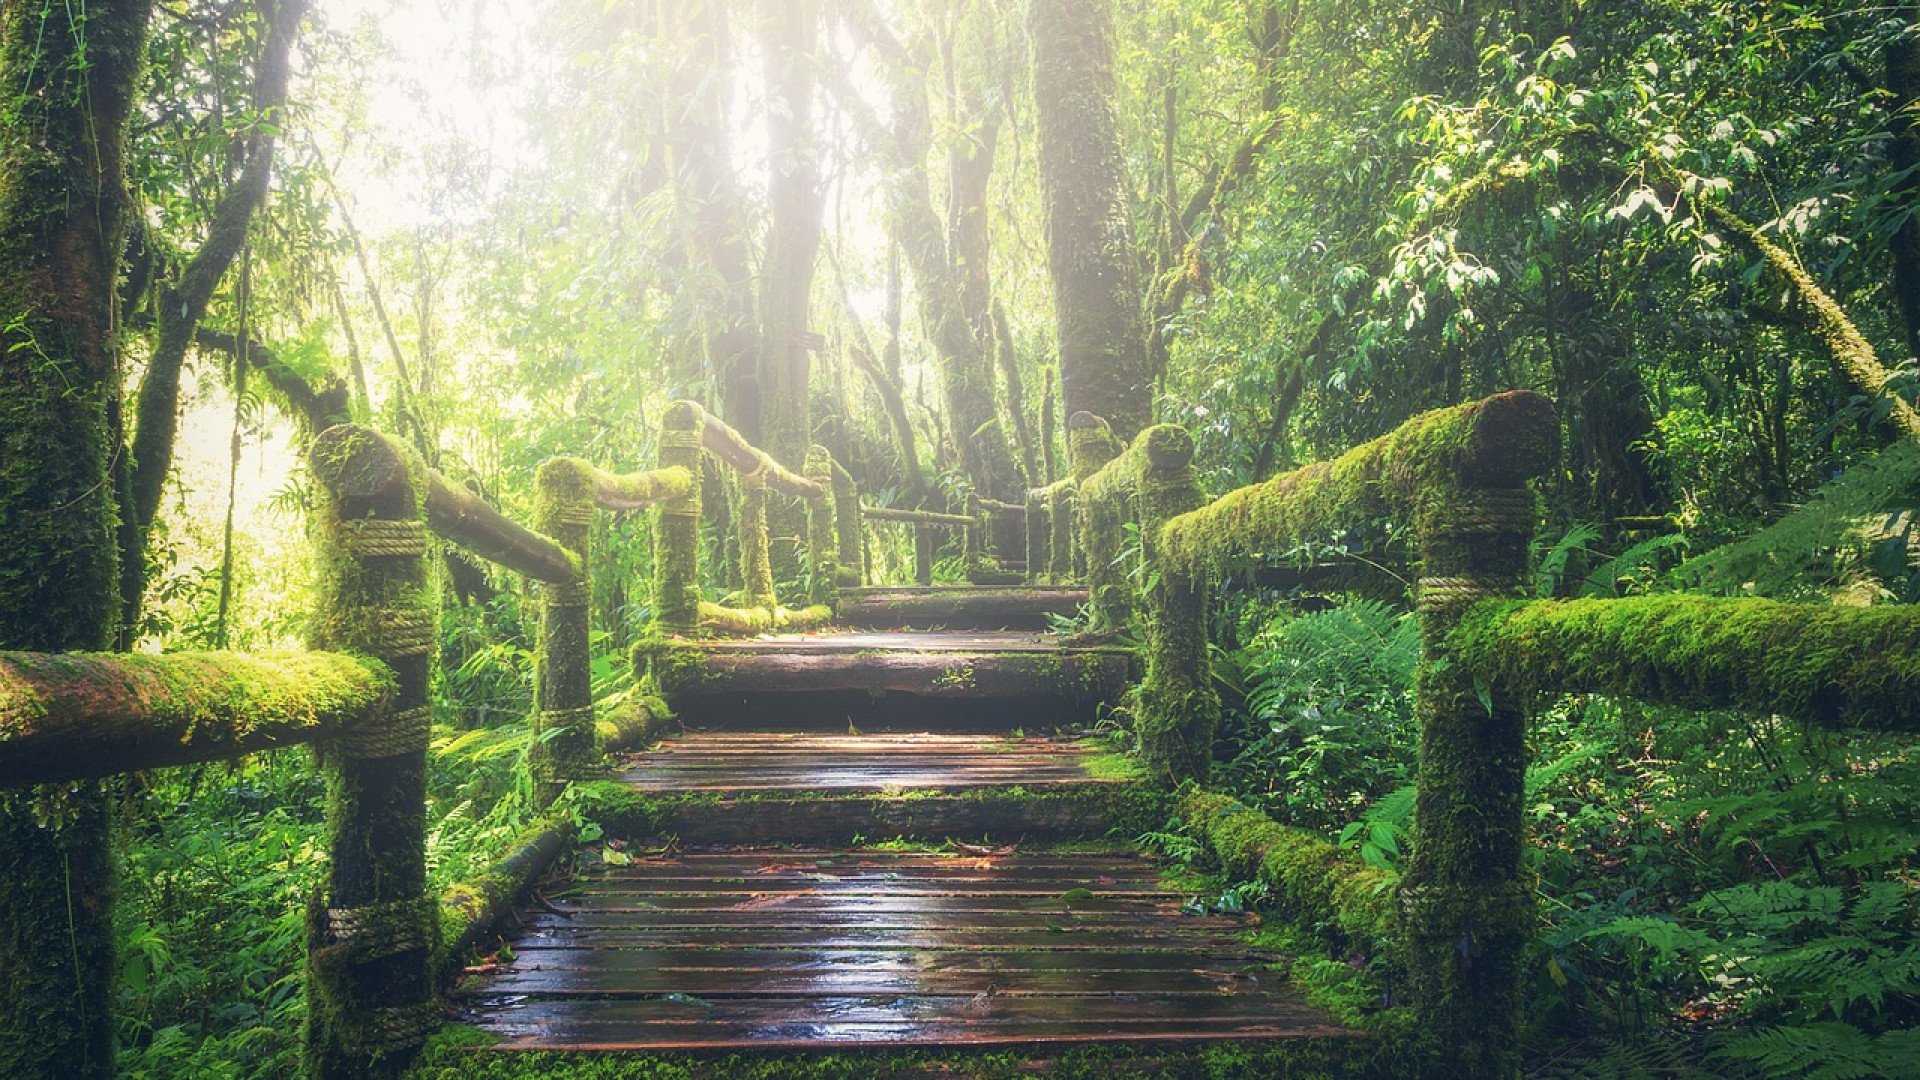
(70, 82)
(182, 308)
(788, 37)
(711, 200)
(1096, 282)
(1903, 88)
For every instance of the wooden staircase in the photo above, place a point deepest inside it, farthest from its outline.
(999, 912)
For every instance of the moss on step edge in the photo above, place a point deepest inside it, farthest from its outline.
(1127, 809)
(458, 1052)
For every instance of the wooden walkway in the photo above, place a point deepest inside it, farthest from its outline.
(733, 941)
(800, 948)
(740, 762)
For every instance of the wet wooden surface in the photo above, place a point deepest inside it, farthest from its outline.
(737, 762)
(799, 948)
(866, 641)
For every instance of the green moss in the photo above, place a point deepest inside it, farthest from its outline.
(1498, 442)
(1315, 883)
(676, 529)
(459, 1053)
(1815, 661)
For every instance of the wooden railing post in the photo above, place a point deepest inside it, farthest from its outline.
(922, 554)
(1467, 905)
(756, 558)
(1178, 709)
(676, 532)
(1063, 514)
(823, 543)
(1038, 524)
(563, 682)
(1090, 445)
(846, 528)
(371, 928)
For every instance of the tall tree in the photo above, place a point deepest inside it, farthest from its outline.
(67, 78)
(1090, 254)
(789, 33)
(185, 303)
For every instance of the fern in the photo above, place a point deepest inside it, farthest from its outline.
(1552, 564)
(1828, 1051)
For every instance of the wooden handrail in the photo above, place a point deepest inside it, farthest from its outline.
(77, 716)
(747, 459)
(915, 517)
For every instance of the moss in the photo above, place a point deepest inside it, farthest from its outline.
(563, 736)
(456, 1054)
(676, 531)
(823, 542)
(756, 560)
(134, 711)
(370, 991)
(1315, 883)
(1814, 661)
(1498, 442)
(762, 620)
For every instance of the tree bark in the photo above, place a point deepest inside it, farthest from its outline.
(1090, 255)
(789, 32)
(68, 80)
(1903, 153)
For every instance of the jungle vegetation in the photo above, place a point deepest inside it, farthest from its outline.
(923, 233)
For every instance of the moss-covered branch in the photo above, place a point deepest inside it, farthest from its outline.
(1499, 442)
(619, 491)
(74, 715)
(460, 516)
(761, 620)
(1310, 879)
(1849, 349)
(470, 910)
(1816, 661)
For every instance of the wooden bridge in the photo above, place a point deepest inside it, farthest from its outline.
(736, 898)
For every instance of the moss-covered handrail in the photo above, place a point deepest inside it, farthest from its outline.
(456, 514)
(1498, 442)
(995, 506)
(747, 459)
(1150, 481)
(916, 517)
(1824, 663)
(687, 430)
(1050, 540)
(75, 716)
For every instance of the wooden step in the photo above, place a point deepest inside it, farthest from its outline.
(917, 679)
(959, 607)
(915, 761)
(789, 949)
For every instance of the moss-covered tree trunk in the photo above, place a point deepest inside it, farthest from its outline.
(1096, 282)
(788, 33)
(1903, 153)
(67, 78)
(676, 529)
(372, 926)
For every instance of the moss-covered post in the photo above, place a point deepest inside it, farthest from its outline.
(922, 553)
(562, 747)
(1467, 905)
(1038, 523)
(974, 538)
(1178, 708)
(1063, 514)
(756, 558)
(676, 529)
(371, 928)
(846, 528)
(1090, 445)
(823, 544)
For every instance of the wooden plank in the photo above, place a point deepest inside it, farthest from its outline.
(798, 905)
(927, 641)
(527, 978)
(546, 958)
(722, 939)
(923, 919)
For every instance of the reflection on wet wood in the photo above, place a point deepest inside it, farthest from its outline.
(809, 762)
(783, 949)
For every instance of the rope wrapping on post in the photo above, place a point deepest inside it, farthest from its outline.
(397, 632)
(383, 735)
(375, 931)
(371, 538)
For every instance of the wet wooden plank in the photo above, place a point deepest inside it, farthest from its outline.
(1067, 937)
(544, 958)
(871, 906)
(555, 983)
(922, 918)
(827, 821)
(901, 1020)
(923, 641)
